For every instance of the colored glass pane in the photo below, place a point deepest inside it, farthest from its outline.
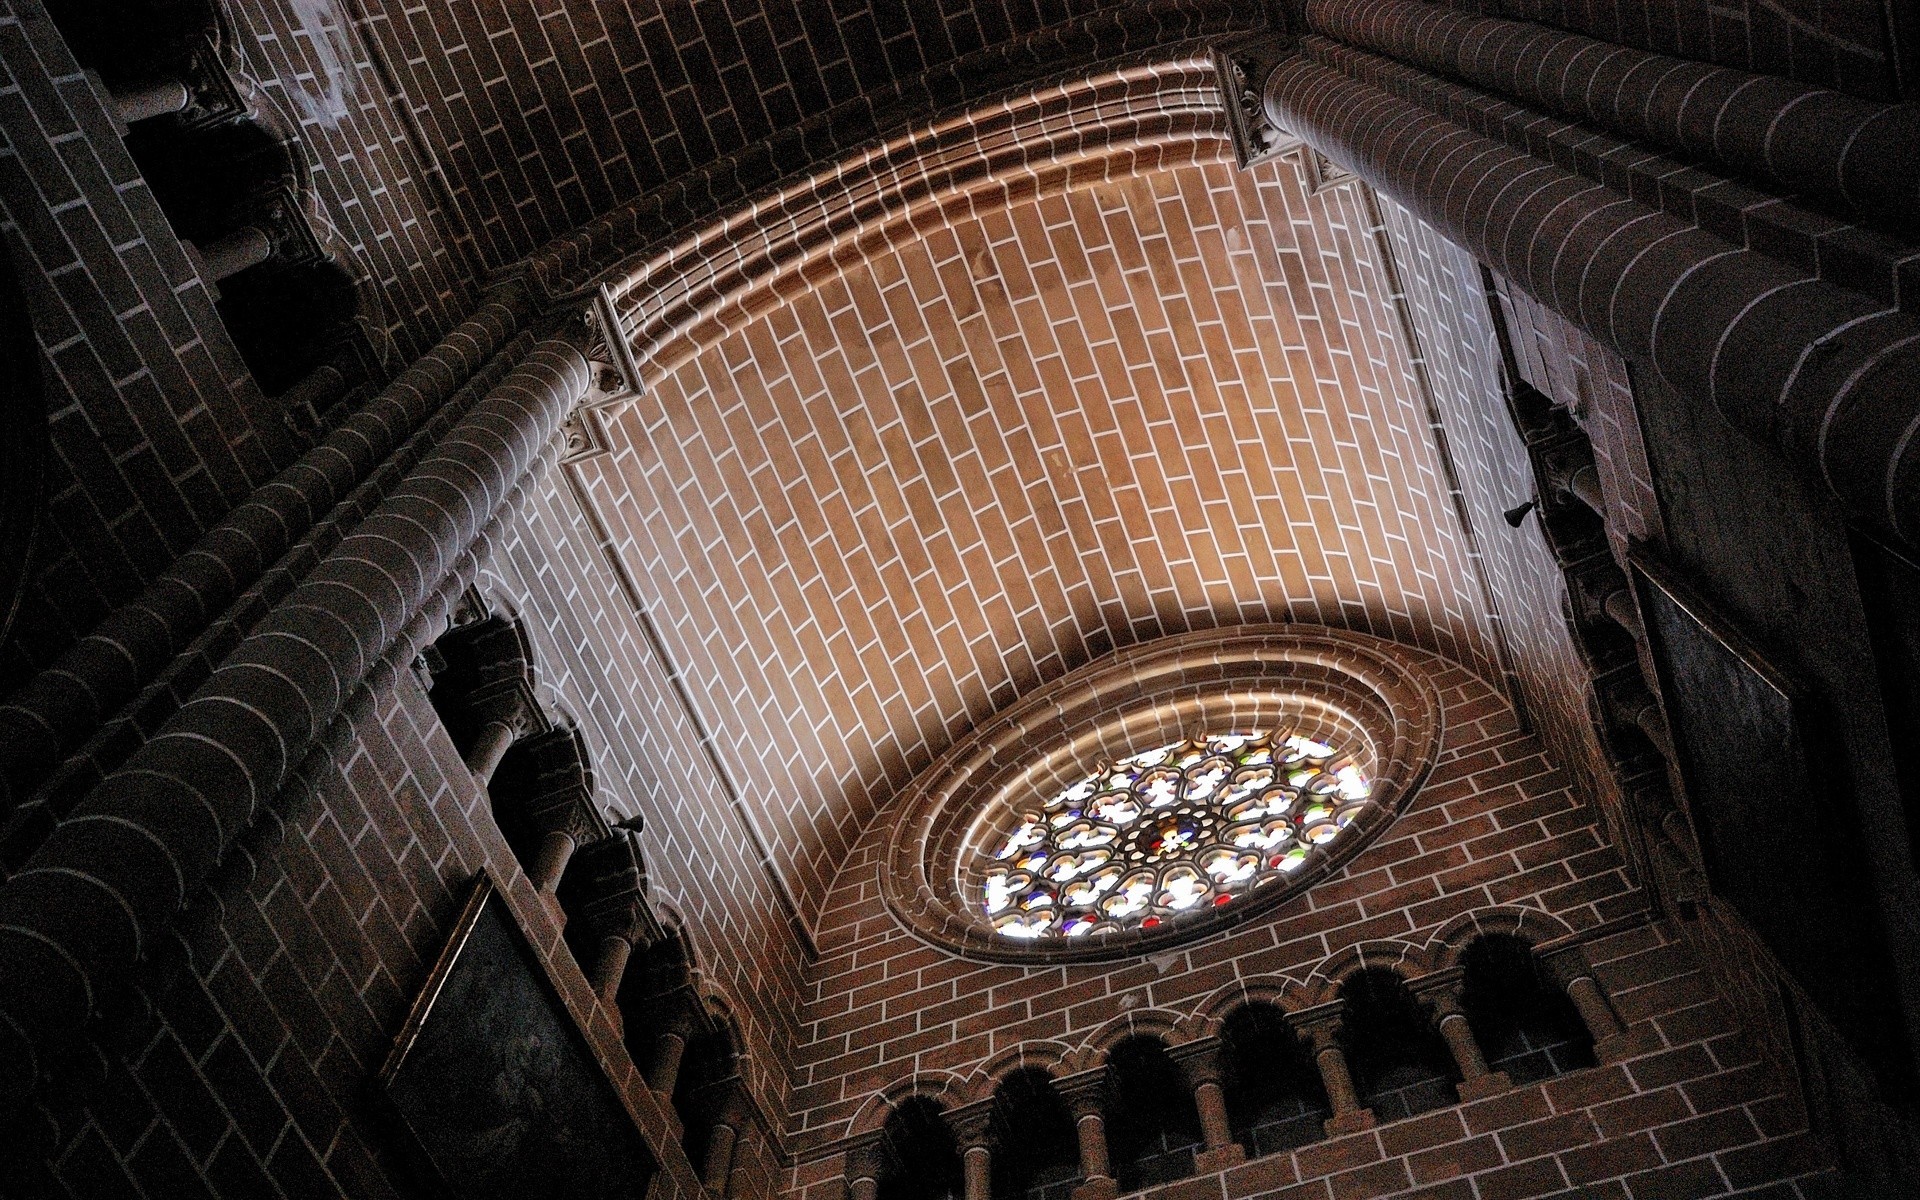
(1167, 834)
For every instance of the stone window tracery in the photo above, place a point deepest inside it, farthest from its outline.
(1167, 833)
(1167, 791)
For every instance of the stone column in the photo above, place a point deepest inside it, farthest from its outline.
(616, 950)
(664, 1072)
(863, 1170)
(504, 716)
(550, 860)
(1569, 969)
(970, 1126)
(717, 1171)
(1824, 375)
(1440, 993)
(1801, 138)
(232, 253)
(1201, 1063)
(1084, 1096)
(153, 100)
(1321, 1026)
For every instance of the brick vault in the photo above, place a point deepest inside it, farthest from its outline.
(515, 518)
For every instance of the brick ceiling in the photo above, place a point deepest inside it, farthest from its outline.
(975, 458)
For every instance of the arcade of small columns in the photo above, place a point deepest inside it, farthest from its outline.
(1321, 1027)
(591, 875)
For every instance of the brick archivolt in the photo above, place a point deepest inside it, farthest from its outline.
(1365, 694)
(679, 299)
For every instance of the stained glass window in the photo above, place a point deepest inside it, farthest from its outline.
(1169, 833)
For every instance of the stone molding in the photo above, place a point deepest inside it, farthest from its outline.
(1370, 693)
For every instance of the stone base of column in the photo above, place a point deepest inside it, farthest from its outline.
(1490, 1084)
(1219, 1159)
(1100, 1187)
(1353, 1122)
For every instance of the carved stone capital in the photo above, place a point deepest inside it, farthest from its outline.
(1439, 992)
(1241, 68)
(613, 890)
(1201, 1061)
(1085, 1093)
(970, 1123)
(1320, 1025)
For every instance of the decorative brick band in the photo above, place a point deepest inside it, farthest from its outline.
(1826, 375)
(1805, 139)
(1366, 693)
(109, 881)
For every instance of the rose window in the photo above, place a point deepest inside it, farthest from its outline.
(1183, 829)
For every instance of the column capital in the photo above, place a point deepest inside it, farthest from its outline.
(971, 1124)
(864, 1157)
(1200, 1061)
(1320, 1025)
(1085, 1093)
(1439, 991)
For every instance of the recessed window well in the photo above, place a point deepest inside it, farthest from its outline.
(1162, 792)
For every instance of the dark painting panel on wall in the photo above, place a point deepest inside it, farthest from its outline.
(1769, 797)
(496, 1083)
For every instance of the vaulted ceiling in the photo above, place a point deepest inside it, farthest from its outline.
(949, 463)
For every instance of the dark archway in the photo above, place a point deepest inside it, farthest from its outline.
(1400, 1064)
(919, 1159)
(1275, 1099)
(1153, 1128)
(1035, 1154)
(1524, 1023)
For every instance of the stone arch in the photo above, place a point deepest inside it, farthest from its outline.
(1057, 1059)
(1533, 926)
(1171, 1028)
(1404, 959)
(944, 1088)
(1282, 991)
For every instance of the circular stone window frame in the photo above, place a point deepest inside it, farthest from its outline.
(1373, 698)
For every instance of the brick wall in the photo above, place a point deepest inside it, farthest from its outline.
(1686, 1111)
(545, 117)
(155, 427)
(597, 662)
(378, 182)
(1453, 324)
